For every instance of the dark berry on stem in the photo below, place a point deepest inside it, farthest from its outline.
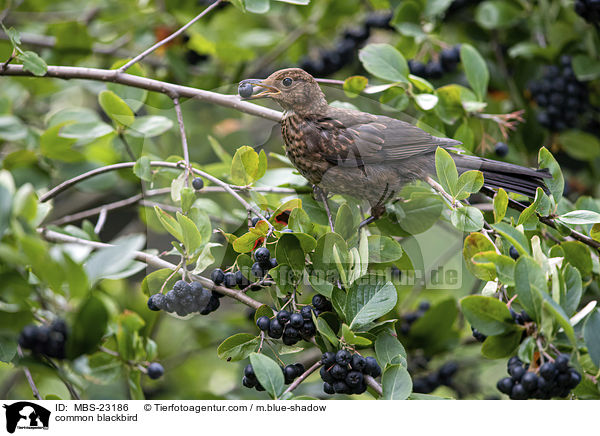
(245, 89)
(289, 373)
(273, 262)
(372, 368)
(275, 329)
(249, 383)
(258, 271)
(319, 301)
(263, 323)
(151, 305)
(518, 393)
(283, 316)
(501, 149)
(358, 362)
(229, 280)
(198, 183)
(326, 375)
(513, 252)
(343, 357)
(562, 362)
(340, 387)
(354, 378)
(249, 372)
(505, 385)
(263, 256)
(155, 370)
(306, 312)
(217, 276)
(241, 281)
(338, 372)
(424, 306)
(255, 221)
(516, 372)
(296, 320)
(529, 382)
(328, 388)
(328, 359)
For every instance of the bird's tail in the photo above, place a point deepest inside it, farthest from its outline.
(511, 177)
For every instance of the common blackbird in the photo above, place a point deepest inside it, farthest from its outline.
(363, 155)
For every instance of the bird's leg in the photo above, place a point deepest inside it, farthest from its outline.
(321, 195)
(377, 212)
(378, 209)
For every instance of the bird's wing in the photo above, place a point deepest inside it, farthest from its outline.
(359, 138)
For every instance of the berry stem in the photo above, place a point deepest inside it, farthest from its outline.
(303, 377)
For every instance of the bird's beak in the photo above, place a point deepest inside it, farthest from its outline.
(256, 85)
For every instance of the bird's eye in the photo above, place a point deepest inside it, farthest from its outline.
(287, 82)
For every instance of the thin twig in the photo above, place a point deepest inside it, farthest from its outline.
(303, 377)
(170, 89)
(153, 261)
(34, 389)
(174, 35)
(184, 144)
(100, 222)
(371, 382)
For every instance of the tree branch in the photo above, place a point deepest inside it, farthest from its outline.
(28, 376)
(153, 261)
(371, 382)
(168, 38)
(170, 89)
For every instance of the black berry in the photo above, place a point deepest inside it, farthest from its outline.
(155, 370)
(296, 320)
(501, 149)
(217, 276)
(263, 323)
(343, 357)
(198, 183)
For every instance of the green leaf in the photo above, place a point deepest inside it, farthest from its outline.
(426, 101)
(514, 237)
(530, 286)
(478, 243)
(595, 232)
(487, 314)
(497, 347)
(154, 281)
(8, 348)
(505, 266)
(12, 128)
(289, 252)
(551, 307)
(88, 328)
(354, 85)
(257, 6)
(446, 170)
(268, 373)
(385, 62)
(580, 217)
(351, 338)
(33, 63)
(500, 205)
(578, 255)
(415, 215)
(142, 169)
(383, 249)
(188, 197)
(580, 145)
(366, 302)
(571, 298)
(86, 131)
(237, 347)
(467, 219)
(325, 331)
(591, 335)
(135, 386)
(116, 108)
(468, 183)
(396, 383)
(263, 310)
(56, 147)
(191, 236)
(169, 223)
(344, 222)
(496, 14)
(530, 211)
(149, 126)
(389, 349)
(586, 67)
(556, 184)
(245, 167)
(111, 260)
(476, 70)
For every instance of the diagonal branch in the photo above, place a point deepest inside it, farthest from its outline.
(303, 377)
(170, 89)
(184, 144)
(167, 39)
(153, 261)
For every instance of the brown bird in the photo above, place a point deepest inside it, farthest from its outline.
(367, 156)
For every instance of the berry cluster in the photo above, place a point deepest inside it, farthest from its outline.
(435, 69)
(155, 370)
(47, 340)
(344, 373)
(555, 379)
(589, 10)
(560, 95)
(184, 299)
(292, 327)
(519, 318)
(441, 377)
(409, 318)
(263, 263)
(331, 61)
(290, 373)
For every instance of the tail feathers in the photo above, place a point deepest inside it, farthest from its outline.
(511, 177)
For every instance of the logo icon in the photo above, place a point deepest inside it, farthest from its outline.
(26, 415)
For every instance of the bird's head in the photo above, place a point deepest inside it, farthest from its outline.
(293, 88)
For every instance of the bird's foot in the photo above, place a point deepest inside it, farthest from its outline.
(377, 212)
